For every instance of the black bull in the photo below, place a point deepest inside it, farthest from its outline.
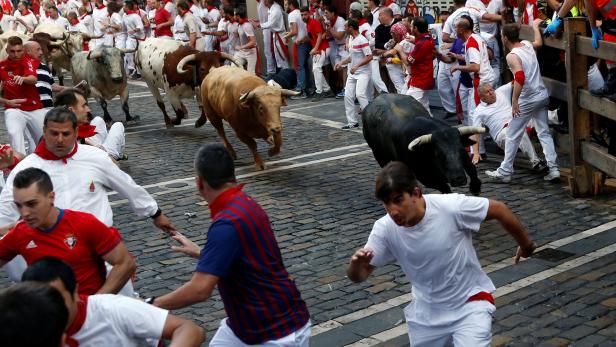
(393, 121)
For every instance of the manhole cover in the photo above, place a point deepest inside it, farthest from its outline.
(552, 255)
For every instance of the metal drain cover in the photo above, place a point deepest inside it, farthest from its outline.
(552, 255)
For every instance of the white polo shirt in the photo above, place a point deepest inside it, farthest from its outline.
(115, 320)
(296, 17)
(359, 48)
(436, 255)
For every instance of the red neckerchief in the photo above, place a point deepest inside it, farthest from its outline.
(80, 318)
(362, 21)
(131, 11)
(82, 17)
(332, 22)
(209, 8)
(243, 20)
(100, 7)
(486, 2)
(25, 13)
(185, 12)
(42, 151)
(86, 130)
(223, 199)
(74, 21)
(1, 15)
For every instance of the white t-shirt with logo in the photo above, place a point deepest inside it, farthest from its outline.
(296, 17)
(437, 254)
(366, 30)
(359, 48)
(115, 320)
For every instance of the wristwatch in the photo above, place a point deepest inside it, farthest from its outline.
(155, 215)
(150, 300)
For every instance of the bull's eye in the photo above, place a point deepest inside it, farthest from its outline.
(100, 60)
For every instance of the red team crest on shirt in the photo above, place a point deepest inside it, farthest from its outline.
(70, 240)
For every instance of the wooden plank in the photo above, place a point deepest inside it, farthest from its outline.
(598, 157)
(579, 119)
(526, 33)
(556, 88)
(606, 50)
(601, 106)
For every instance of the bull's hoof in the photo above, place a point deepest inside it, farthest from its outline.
(260, 166)
(168, 123)
(132, 120)
(273, 151)
(200, 122)
(176, 121)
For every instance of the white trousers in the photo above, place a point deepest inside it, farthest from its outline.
(525, 145)
(536, 110)
(225, 337)
(209, 42)
(375, 77)
(17, 121)
(421, 96)
(318, 60)
(16, 267)
(447, 84)
(397, 77)
(267, 51)
(356, 86)
(112, 140)
(251, 58)
(129, 58)
(95, 43)
(470, 325)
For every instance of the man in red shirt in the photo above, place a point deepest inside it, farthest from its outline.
(162, 20)
(18, 76)
(78, 238)
(319, 52)
(420, 61)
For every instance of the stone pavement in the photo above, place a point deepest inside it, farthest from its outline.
(318, 193)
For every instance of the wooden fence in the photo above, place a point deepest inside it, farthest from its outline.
(588, 160)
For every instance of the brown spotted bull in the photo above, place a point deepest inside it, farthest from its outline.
(248, 104)
(168, 65)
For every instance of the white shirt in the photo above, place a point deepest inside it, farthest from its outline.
(338, 27)
(213, 15)
(73, 6)
(72, 181)
(262, 11)
(246, 31)
(366, 30)
(436, 255)
(178, 29)
(6, 23)
(375, 18)
(115, 320)
(60, 21)
(275, 21)
(30, 19)
(488, 27)
(99, 16)
(134, 23)
(296, 17)
(533, 88)
(449, 26)
(497, 114)
(191, 25)
(395, 9)
(88, 22)
(78, 28)
(359, 48)
(170, 7)
(477, 52)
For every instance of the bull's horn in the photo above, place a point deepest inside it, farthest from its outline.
(246, 96)
(471, 130)
(95, 54)
(237, 61)
(128, 50)
(286, 92)
(185, 60)
(422, 140)
(61, 41)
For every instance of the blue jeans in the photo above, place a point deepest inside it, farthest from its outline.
(303, 78)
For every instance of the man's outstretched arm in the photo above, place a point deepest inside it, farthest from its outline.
(499, 211)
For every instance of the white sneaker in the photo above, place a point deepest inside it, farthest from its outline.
(495, 175)
(553, 176)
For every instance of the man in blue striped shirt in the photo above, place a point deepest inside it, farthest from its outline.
(242, 257)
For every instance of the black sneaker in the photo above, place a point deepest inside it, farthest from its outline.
(540, 166)
(350, 126)
(328, 94)
(317, 97)
(450, 115)
(301, 96)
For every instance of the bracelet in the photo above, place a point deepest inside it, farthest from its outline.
(157, 214)
(150, 300)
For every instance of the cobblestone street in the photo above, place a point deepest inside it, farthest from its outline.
(318, 193)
